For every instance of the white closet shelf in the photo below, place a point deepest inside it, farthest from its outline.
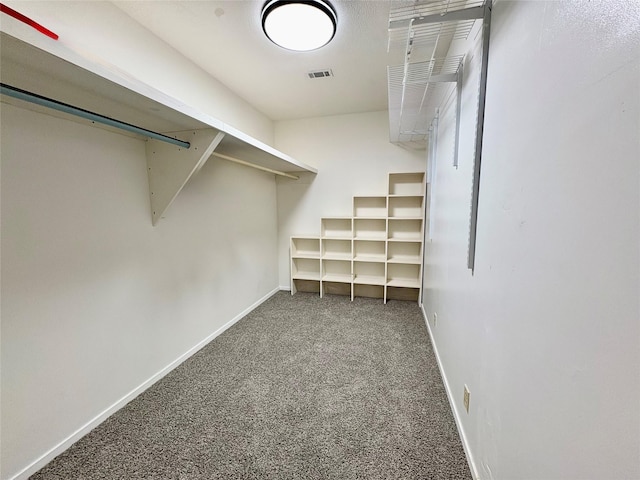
(338, 278)
(415, 260)
(315, 256)
(369, 258)
(403, 282)
(404, 196)
(337, 256)
(369, 280)
(58, 71)
(307, 276)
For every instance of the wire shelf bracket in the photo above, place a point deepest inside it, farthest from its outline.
(475, 192)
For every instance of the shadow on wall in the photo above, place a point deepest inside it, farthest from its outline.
(296, 192)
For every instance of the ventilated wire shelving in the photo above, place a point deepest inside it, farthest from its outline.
(423, 31)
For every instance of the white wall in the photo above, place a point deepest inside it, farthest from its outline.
(95, 300)
(546, 332)
(353, 156)
(99, 30)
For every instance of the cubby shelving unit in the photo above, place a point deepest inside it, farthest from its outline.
(375, 252)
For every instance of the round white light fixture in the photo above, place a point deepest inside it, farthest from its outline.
(299, 25)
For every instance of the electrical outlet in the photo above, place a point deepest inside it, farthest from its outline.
(466, 398)
(435, 318)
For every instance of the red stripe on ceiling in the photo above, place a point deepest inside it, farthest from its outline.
(17, 15)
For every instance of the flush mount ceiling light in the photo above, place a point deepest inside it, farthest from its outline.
(299, 25)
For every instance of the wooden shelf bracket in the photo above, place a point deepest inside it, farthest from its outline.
(170, 167)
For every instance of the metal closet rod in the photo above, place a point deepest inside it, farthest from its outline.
(86, 114)
(253, 165)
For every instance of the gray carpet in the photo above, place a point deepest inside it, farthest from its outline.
(302, 387)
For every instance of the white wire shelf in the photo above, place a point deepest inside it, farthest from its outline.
(423, 8)
(414, 96)
(424, 31)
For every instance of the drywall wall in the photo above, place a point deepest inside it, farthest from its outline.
(546, 332)
(96, 301)
(353, 156)
(101, 31)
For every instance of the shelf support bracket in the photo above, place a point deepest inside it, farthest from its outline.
(170, 167)
(475, 192)
(458, 109)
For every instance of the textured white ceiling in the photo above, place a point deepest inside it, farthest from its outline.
(225, 39)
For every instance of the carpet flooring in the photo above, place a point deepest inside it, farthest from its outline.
(301, 388)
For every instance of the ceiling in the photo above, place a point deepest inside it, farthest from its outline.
(225, 39)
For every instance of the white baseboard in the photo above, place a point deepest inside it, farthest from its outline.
(454, 409)
(98, 419)
(285, 288)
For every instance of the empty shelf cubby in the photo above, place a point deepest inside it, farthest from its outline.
(404, 252)
(370, 207)
(310, 286)
(406, 207)
(403, 275)
(336, 249)
(406, 183)
(371, 273)
(369, 250)
(370, 229)
(403, 293)
(405, 229)
(305, 269)
(336, 271)
(336, 228)
(302, 247)
(370, 291)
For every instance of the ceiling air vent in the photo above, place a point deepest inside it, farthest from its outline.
(321, 73)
